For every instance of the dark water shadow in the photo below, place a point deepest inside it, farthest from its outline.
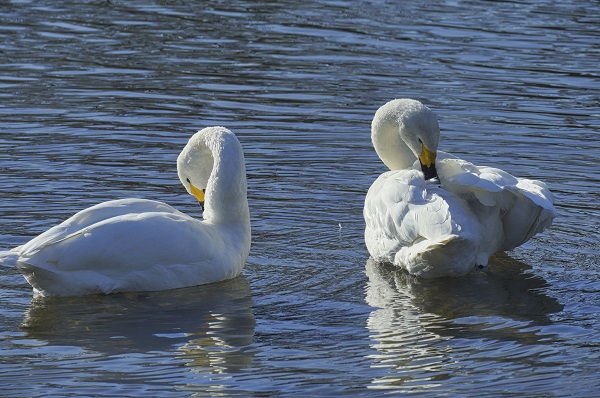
(508, 292)
(196, 322)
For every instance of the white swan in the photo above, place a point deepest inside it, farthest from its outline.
(144, 245)
(436, 215)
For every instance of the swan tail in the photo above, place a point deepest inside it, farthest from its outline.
(9, 258)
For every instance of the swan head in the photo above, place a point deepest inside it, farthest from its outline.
(404, 130)
(195, 165)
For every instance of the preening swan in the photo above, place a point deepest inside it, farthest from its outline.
(436, 215)
(144, 245)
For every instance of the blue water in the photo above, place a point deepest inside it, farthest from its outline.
(98, 98)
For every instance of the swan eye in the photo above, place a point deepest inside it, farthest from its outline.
(188, 180)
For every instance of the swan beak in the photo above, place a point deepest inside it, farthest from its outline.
(427, 160)
(198, 194)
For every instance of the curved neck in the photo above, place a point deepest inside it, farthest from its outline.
(385, 134)
(226, 192)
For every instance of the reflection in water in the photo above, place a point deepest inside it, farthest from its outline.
(433, 333)
(507, 290)
(208, 326)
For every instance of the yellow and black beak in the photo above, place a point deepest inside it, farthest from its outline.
(198, 194)
(427, 160)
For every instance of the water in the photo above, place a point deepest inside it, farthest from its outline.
(97, 99)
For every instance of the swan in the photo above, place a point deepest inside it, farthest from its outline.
(146, 245)
(436, 215)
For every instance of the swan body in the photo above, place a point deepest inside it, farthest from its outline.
(145, 245)
(437, 215)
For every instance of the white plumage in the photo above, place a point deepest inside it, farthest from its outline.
(455, 219)
(143, 245)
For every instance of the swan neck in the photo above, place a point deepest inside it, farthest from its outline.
(226, 192)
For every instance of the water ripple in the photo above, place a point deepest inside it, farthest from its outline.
(99, 97)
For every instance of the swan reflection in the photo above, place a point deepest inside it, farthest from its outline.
(205, 326)
(506, 290)
(430, 331)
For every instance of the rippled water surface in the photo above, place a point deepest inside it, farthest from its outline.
(98, 97)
